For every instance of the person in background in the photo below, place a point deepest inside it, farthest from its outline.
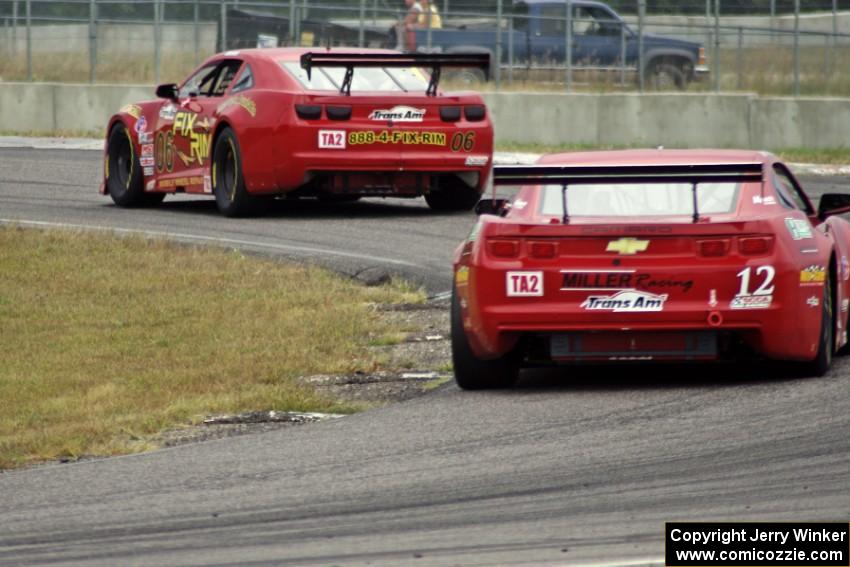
(405, 28)
(430, 12)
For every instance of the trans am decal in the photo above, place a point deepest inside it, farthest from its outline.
(399, 114)
(630, 301)
(407, 138)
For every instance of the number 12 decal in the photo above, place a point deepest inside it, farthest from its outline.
(766, 287)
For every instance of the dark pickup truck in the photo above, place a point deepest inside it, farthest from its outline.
(600, 40)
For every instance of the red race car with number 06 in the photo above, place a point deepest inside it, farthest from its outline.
(335, 124)
(655, 255)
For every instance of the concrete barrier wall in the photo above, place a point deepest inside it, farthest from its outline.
(137, 39)
(671, 120)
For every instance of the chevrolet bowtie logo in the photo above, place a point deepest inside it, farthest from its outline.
(627, 246)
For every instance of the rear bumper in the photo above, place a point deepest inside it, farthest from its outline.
(496, 330)
(381, 172)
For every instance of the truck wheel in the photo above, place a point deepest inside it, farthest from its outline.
(665, 76)
(467, 77)
(228, 181)
(124, 180)
(472, 373)
(826, 343)
(448, 199)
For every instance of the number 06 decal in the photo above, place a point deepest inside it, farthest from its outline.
(766, 287)
(463, 141)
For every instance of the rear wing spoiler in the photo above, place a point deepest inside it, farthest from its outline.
(566, 175)
(600, 174)
(434, 61)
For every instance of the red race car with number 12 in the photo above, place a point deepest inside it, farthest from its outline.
(335, 124)
(650, 255)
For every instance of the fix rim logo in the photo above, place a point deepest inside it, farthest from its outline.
(399, 114)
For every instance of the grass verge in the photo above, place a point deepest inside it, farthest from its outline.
(106, 341)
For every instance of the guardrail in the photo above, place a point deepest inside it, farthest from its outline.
(618, 119)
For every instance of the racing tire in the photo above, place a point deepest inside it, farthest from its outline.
(665, 76)
(231, 196)
(826, 342)
(472, 373)
(452, 199)
(124, 180)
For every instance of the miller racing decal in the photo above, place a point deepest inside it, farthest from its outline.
(525, 284)
(404, 137)
(593, 280)
(399, 114)
(630, 301)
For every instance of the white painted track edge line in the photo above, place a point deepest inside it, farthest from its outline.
(648, 562)
(214, 239)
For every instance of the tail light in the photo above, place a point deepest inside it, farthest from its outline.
(702, 60)
(338, 112)
(504, 248)
(755, 245)
(543, 249)
(713, 248)
(450, 113)
(475, 112)
(308, 111)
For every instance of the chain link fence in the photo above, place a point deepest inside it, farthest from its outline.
(765, 46)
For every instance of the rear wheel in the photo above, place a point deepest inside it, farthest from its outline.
(472, 373)
(231, 196)
(826, 343)
(124, 180)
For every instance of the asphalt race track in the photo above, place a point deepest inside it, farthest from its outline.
(568, 468)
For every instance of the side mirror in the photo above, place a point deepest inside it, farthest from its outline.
(168, 91)
(490, 207)
(833, 204)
